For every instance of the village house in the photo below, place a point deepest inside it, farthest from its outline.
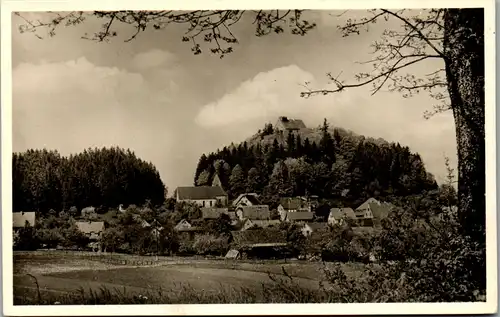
(208, 213)
(186, 230)
(309, 228)
(249, 223)
(286, 124)
(258, 212)
(247, 199)
(21, 219)
(340, 215)
(293, 204)
(93, 230)
(372, 211)
(89, 213)
(203, 196)
(301, 216)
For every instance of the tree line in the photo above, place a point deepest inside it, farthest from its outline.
(44, 180)
(337, 166)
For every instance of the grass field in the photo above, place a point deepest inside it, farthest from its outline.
(59, 274)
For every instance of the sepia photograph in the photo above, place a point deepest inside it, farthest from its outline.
(183, 160)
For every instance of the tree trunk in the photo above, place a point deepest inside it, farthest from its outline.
(463, 47)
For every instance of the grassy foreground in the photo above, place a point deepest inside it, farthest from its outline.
(86, 279)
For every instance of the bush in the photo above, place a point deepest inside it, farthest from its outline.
(211, 245)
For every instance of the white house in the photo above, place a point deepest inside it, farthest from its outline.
(204, 196)
(247, 199)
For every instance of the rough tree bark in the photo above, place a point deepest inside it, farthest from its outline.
(463, 46)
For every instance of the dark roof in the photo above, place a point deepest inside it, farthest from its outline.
(292, 124)
(252, 237)
(339, 213)
(292, 203)
(264, 223)
(367, 203)
(317, 225)
(300, 215)
(200, 192)
(213, 213)
(255, 212)
(19, 219)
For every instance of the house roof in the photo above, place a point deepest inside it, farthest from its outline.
(19, 219)
(252, 237)
(317, 225)
(213, 213)
(367, 203)
(252, 197)
(263, 223)
(339, 213)
(292, 203)
(182, 224)
(200, 192)
(255, 212)
(90, 226)
(300, 215)
(292, 124)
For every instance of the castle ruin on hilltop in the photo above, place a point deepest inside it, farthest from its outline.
(288, 125)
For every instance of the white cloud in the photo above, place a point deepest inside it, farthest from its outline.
(74, 105)
(239, 113)
(153, 58)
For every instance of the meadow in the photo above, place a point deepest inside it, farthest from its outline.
(80, 277)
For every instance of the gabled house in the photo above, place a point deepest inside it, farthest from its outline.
(20, 219)
(204, 196)
(309, 228)
(293, 204)
(248, 223)
(247, 199)
(182, 225)
(213, 213)
(186, 230)
(365, 209)
(258, 212)
(286, 124)
(301, 216)
(340, 215)
(92, 229)
(372, 211)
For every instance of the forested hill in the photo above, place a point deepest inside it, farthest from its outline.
(329, 162)
(44, 180)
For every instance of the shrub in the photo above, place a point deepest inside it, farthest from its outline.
(211, 245)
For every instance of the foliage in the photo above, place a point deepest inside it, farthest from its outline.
(339, 166)
(219, 227)
(208, 244)
(44, 180)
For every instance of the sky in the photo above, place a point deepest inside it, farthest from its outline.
(153, 96)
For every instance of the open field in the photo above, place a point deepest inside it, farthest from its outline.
(62, 273)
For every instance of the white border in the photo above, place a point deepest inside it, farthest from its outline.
(254, 309)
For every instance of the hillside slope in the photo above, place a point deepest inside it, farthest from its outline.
(330, 162)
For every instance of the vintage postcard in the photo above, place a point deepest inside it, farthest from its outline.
(211, 158)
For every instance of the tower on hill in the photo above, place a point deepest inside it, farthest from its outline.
(288, 125)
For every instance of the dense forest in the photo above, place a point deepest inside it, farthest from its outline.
(336, 165)
(107, 177)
